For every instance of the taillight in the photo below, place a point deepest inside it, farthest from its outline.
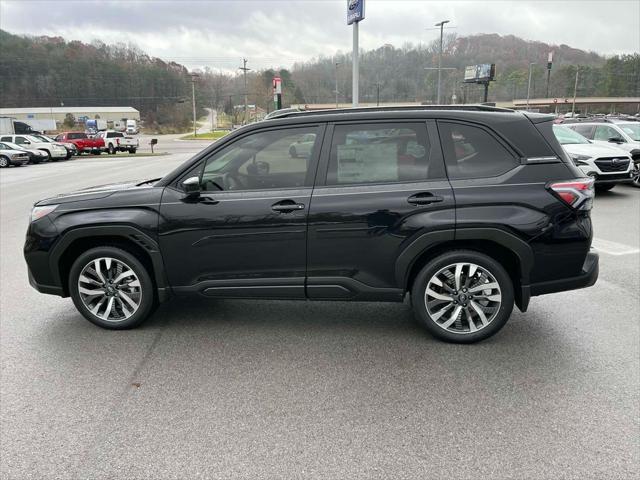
(575, 193)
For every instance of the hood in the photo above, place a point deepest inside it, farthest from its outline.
(594, 150)
(96, 192)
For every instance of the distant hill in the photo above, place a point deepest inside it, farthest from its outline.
(48, 71)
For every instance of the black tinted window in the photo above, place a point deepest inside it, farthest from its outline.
(378, 153)
(471, 152)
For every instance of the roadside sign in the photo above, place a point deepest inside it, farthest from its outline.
(355, 11)
(277, 85)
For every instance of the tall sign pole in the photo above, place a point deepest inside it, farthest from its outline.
(549, 64)
(441, 25)
(355, 13)
(277, 92)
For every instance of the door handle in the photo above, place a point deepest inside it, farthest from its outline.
(208, 200)
(286, 206)
(425, 198)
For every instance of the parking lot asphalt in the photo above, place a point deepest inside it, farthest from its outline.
(276, 389)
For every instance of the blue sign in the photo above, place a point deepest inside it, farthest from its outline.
(355, 11)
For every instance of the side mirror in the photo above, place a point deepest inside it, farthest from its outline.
(26, 142)
(191, 187)
(616, 140)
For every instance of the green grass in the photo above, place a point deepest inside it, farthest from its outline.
(206, 136)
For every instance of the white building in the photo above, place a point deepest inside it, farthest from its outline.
(58, 114)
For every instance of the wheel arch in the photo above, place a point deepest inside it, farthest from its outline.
(511, 252)
(127, 238)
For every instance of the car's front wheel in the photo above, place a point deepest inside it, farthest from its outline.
(635, 175)
(111, 288)
(462, 296)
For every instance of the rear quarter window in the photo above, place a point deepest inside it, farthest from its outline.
(472, 152)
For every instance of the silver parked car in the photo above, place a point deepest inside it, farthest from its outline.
(10, 157)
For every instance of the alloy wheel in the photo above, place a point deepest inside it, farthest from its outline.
(635, 175)
(110, 289)
(463, 298)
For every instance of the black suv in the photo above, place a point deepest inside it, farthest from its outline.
(469, 209)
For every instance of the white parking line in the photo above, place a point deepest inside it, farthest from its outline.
(613, 248)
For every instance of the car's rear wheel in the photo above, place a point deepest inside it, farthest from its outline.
(462, 296)
(132, 151)
(111, 288)
(112, 149)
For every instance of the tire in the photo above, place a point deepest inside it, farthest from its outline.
(496, 303)
(112, 149)
(48, 159)
(4, 162)
(132, 151)
(293, 152)
(635, 175)
(131, 304)
(97, 152)
(605, 187)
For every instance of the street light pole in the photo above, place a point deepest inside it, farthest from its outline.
(193, 99)
(441, 25)
(529, 84)
(355, 73)
(575, 92)
(337, 63)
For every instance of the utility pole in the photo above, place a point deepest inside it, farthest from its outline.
(529, 84)
(337, 63)
(441, 25)
(575, 92)
(193, 100)
(244, 71)
(549, 64)
(377, 90)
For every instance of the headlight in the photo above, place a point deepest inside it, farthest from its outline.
(39, 212)
(580, 159)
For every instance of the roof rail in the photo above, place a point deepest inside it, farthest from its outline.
(330, 111)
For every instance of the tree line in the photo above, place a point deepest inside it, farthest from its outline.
(49, 71)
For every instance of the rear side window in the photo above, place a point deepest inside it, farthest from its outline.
(472, 152)
(378, 153)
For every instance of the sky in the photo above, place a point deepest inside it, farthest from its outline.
(274, 33)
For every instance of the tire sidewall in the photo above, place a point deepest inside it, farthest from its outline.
(146, 283)
(5, 162)
(497, 270)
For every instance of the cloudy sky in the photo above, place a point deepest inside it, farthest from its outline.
(269, 33)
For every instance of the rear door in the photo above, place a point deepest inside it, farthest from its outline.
(380, 186)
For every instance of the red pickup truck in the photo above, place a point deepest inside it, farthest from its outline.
(82, 142)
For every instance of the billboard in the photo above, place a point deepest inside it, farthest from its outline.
(355, 11)
(482, 73)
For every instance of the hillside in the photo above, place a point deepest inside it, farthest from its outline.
(45, 71)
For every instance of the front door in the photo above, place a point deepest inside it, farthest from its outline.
(380, 187)
(245, 234)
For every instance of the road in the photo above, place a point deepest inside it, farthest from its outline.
(275, 389)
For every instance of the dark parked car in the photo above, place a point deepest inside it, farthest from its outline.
(470, 210)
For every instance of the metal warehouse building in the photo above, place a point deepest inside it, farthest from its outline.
(59, 113)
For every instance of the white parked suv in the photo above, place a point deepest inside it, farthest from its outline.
(621, 133)
(608, 165)
(54, 151)
(118, 142)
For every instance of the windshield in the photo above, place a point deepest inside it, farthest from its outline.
(566, 136)
(42, 138)
(631, 129)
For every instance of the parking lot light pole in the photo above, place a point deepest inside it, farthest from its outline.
(441, 25)
(337, 64)
(575, 93)
(529, 84)
(193, 99)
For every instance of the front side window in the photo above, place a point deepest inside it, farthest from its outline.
(272, 159)
(605, 132)
(379, 153)
(472, 152)
(21, 140)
